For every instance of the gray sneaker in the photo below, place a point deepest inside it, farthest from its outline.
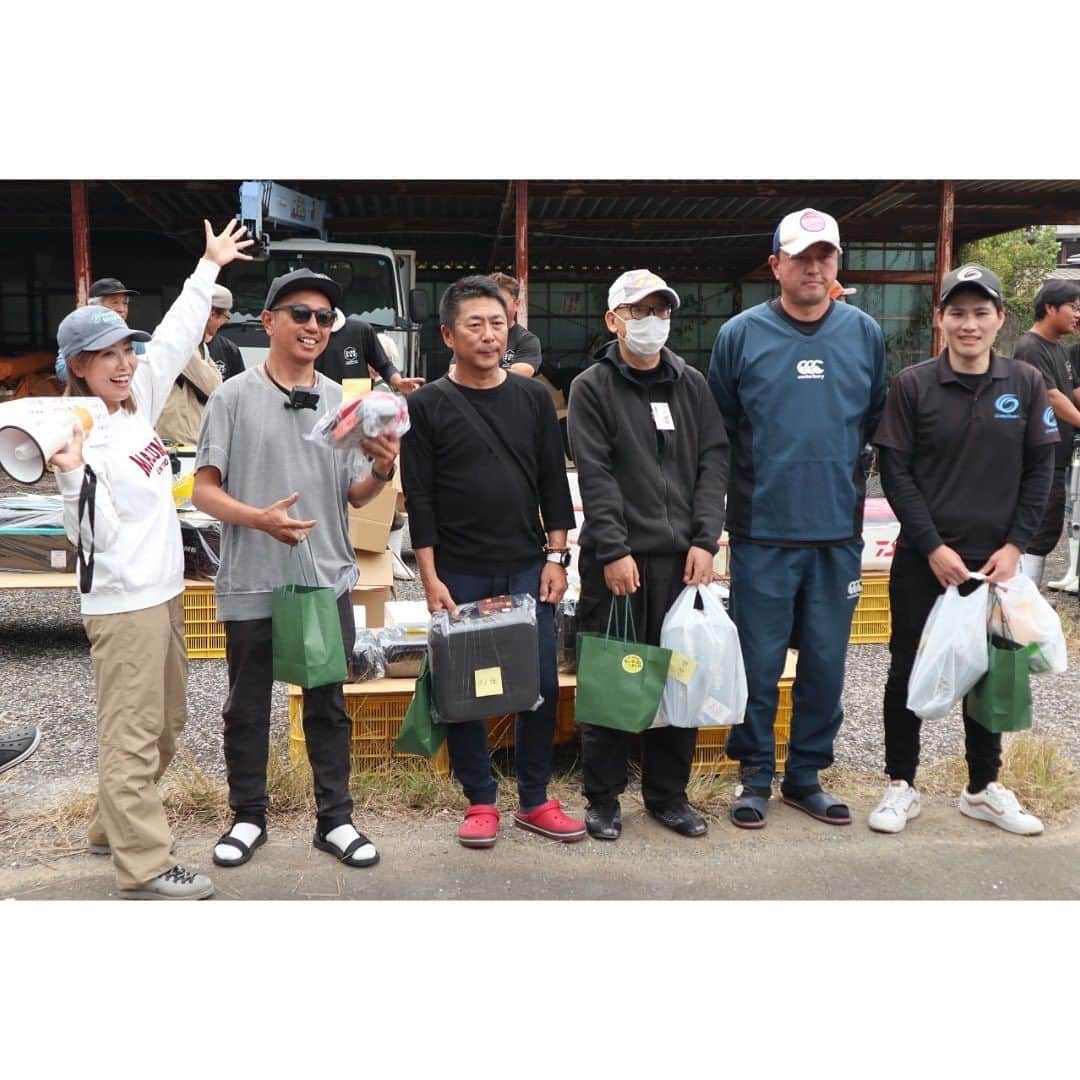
(18, 745)
(174, 884)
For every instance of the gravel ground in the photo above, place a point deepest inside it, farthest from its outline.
(46, 677)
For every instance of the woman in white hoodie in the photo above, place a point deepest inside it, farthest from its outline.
(118, 502)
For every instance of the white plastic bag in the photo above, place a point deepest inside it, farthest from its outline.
(952, 655)
(706, 684)
(1032, 622)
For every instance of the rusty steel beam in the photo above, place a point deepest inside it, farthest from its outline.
(521, 248)
(80, 241)
(188, 236)
(943, 257)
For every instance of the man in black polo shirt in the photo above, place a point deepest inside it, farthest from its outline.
(1057, 305)
(967, 448)
(475, 518)
(522, 355)
(353, 348)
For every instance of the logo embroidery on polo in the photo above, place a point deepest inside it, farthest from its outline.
(854, 589)
(1049, 419)
(350, 355)
(1007, 407)
(810, 369)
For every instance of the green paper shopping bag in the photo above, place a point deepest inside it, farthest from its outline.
(1001, 699)
(419, 733)
(620, 681)
(307, 643)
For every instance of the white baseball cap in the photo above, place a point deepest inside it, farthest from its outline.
(635, 285)
(801, 228)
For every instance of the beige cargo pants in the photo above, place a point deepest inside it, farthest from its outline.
(140, 673)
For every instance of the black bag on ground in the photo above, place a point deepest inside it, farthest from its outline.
(485, 662)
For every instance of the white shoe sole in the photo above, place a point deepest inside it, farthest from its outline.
(151, 894)
(912, 814)
(977, 813)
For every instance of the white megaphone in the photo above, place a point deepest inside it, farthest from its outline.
(27, 444)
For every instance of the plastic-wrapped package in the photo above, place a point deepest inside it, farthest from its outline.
(366, 660)
(403, 651)
(1022, 614)
(485, 662)
(377, 413)
(566, 636)
(201, 539)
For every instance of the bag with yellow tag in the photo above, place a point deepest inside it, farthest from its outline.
(485, 662)
(706, 685)
(620, 680)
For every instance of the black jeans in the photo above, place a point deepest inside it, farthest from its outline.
(667, 752)
(912, 592)
(534, 732)
(327, 727)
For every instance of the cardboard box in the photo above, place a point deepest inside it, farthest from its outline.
(40, 550)
(374, 587)
(369, 527)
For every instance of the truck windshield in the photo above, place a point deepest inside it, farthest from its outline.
(366, 280)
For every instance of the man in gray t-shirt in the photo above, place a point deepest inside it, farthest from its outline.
(252, 465)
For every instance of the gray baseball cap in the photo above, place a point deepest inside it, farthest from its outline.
(91, 328)
(972, 276)
(303, 278)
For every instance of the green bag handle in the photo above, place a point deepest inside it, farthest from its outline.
(314, 569)
(628, 622)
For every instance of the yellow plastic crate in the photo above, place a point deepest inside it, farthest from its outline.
(709, 757)
(872, 622)
(501, 729)
(203, 634)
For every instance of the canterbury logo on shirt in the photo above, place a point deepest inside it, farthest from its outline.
(810, 369)
(153, 458)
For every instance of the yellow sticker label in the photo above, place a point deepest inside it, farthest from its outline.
(632, 664)
(488, 681)
(681, 668)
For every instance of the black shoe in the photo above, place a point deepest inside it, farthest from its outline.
(604, 823)
(17, 745)
(685, 820)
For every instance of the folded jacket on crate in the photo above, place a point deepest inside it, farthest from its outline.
(485, 662)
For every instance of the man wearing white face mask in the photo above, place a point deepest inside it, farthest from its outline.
(652, 458)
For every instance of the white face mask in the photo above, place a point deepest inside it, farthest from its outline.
(644, 337)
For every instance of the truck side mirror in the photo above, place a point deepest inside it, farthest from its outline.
(419, 308)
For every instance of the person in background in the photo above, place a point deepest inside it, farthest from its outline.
(106, 292)
(1057, 311)
(652, 457)
(800, 381)
(180, 419)
(475, 520)
(522, 355)
(118, 506)
(967, 449)
(354, 350)
(223, 351)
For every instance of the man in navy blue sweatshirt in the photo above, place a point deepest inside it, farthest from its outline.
(800, 381)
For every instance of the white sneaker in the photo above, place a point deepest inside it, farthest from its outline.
(175, 884)
(1000, 807)
(899, 804)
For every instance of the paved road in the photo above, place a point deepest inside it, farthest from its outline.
(940, 856)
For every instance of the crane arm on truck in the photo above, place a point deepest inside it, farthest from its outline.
(265, 203)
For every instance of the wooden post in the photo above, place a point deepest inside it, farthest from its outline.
(521, 248)
(944, 255)
(80, 241)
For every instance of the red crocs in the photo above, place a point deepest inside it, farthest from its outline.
(549, 820)
(480, 827)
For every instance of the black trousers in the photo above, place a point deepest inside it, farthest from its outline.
(667, 752)
(912, 592)
(1053, 521)
(327, 727)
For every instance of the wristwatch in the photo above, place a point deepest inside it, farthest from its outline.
(561, 556)
(388, 477)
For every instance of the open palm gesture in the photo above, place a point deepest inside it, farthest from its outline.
(228, 244)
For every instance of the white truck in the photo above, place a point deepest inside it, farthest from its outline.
(378, 284)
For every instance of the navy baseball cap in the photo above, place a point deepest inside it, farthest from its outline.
(110, 286)
(91, 328)
(303, 278)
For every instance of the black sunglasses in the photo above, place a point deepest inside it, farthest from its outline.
(301, 313)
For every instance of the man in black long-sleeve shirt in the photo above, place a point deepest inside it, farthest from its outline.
(967, 452)
(475, 521)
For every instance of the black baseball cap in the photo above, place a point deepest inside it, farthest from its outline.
(296, 280)
(972, 276)
(110, 286)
